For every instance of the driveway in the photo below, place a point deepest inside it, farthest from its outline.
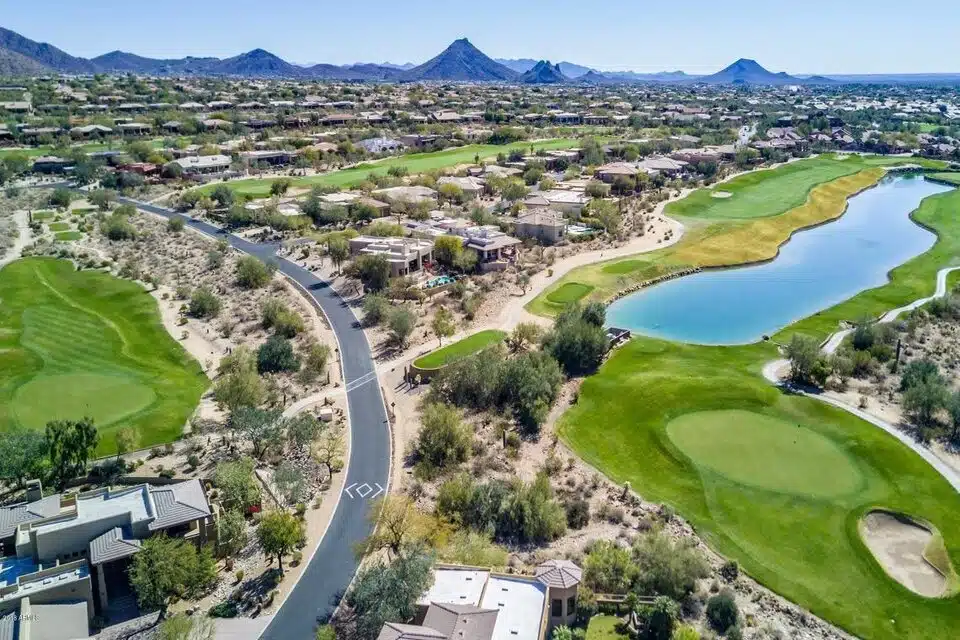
(331, 568)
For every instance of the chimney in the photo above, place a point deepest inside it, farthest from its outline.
(34, 490)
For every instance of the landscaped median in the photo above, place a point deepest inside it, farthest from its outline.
(714, 237)
(429, 364)
(414, 162)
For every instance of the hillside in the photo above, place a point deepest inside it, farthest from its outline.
(463, 62)
(544, 73)
(43, 54)
(15, 64)
(746, 71)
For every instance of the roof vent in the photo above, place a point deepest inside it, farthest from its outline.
(514, 632)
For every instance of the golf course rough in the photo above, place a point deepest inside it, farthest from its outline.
(83, 343)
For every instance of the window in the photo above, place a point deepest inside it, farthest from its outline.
(556, 609)
(571, 604)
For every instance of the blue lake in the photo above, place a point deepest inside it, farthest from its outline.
(816, 269)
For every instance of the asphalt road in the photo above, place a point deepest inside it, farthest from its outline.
(333, 565)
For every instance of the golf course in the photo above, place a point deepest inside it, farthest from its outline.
(778, 481)
(414, 162)
(83, 343)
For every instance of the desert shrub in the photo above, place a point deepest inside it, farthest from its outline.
(722, 611)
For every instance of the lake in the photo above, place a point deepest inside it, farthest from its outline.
(815, 270)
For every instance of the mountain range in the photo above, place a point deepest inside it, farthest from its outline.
(460, 62)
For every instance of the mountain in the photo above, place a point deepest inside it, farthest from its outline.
(42, 53)
(257, 63)
(746, 71)
(16, 64)
(593, 77)
(463, 62)
(544, 73)
(522, 65)
(406, 66)
(131, 63)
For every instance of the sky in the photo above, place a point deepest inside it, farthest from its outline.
(696, 36)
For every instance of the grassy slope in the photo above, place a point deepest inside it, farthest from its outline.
(947, 177)
(415, 163)
(908, 282)
(467, 346)
(805, 547)
(99, 342)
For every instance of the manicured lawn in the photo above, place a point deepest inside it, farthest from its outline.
(569, 293)
(40, 216)
(949, 178)
(58, 226)
(467, 346)
(76, 344)
(68, 236)
(776, 481)
(604, 627)
(908, 282)
(709, 244)
(415, 163)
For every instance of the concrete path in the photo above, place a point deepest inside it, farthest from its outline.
(332, 567)
(771, 373)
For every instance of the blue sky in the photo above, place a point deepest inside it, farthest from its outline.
(697, 36)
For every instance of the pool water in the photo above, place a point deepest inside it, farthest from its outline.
(815, 270)
(439, 281)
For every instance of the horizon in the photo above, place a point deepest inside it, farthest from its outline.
(797, 44)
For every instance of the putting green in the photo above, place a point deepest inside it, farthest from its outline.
(569, 293)
(83, 343)
(78, 394)
(765, 452)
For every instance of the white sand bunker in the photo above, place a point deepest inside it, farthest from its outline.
(721, 194)
(899, 544)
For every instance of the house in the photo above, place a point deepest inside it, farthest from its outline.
(337, 119)
(60, 621)
(16, 107)
(658, 164)
(76, 547)
(406, 194)
(610, 172)
(565, 200)
(544, 225)
(471, 187)
(51, 164)
(491, 246)
(419, 141)
(380, 145)
(404, 255)
(134, 128)
(566, 118)
(470, 603)
(203, 164)
(271, 157)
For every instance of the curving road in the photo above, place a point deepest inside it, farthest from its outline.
(331, 568)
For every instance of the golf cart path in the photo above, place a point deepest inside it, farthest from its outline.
(772, 369)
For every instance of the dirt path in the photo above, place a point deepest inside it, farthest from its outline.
(21, 241)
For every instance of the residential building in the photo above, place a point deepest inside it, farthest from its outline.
(542, 224)
(271, 157)
(491, 244)
(405, 256)
(380, 145)
(567, 201)
(471, 187)
(407, 194)
(51, 164)
(203, 164)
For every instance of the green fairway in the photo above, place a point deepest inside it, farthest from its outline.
(67, 236)
(947, 177)
(415, 163)
(467, 346)
(46, 214)
(83, 343)
(777, 481)
(569, 293)
(59, 226)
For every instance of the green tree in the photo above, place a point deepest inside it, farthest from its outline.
(924, 399)
(920, 371)
(467, 261)
(22, 452)
(450, 193)
(373, 271)
(278, 534)
(443, 441)
(524, 336)
(280, 186)
(315, 361)
(290, 482)
(223, 196)
(442, 324)
(658, 619)
(515, 190)
(204, 303)
(169, 568)
(722, 610)
(803, 353)
(238, 384)
(276, 355)
(576, 342)
(953, 409)
(127, 440)
(101, 198)
(446, 249)
(231, 532)
(666, 567)
(387, 592)
(61, 198)
(338, 250)
(184, 627)
(253, 273)
(302, 430)
(329, 450)
(400, 324)
(69, 444)
(239, 490)
(264, 429)
(608, 568)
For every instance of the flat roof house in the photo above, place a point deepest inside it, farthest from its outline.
(404, 255)
(544, 225)
(203, 164)
(471, 603)
(471, 187)
(278, 157)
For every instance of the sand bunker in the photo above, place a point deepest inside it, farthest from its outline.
(898, 544)
(721, 194)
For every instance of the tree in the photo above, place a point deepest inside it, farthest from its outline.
(920, 371)
(231, 532)
(329, 451)
(397, 524)
(276, 355)
(443, 440)
(315, 361)
(442, 324)
(302, 430)
(239, 490)
(168, 568)
(515, 190)
(530, 383)
(204, 303)
(923, 399)
(607, 214)
(386, 592)
(666, 567)
(338, 249)
(22, 453)
(524, 336)
(117, 226)
(608, 568)
(658, 619)
(175, 225)
(223, 196)
(184, 627)
(685, 632)
(953, 409)
(446, 250)
(523, 281)
(278, 534)
(127, 440)
(597, 189)
(101, 198)
(264, 429)
(722, 610)
(576, 342)
(61, 198)
(803, 353)
(253, 273)
(451, 193)
(400, 324)
(290, 482)
(467, 261)
(373, 271)
(69, 444)
(238, 384)
(280, 187)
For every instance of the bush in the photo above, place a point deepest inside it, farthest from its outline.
(375, 309)
(578, 513)
(204, 304)
(193, 461)
(175, 225)
(227, 609)
(443, 441)
(668, 567)
(400, 324)
(373, 272)
(253, 273)
(722, 611)
(730, 570)
(609, 568)
(577, 341)
(276, 355)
